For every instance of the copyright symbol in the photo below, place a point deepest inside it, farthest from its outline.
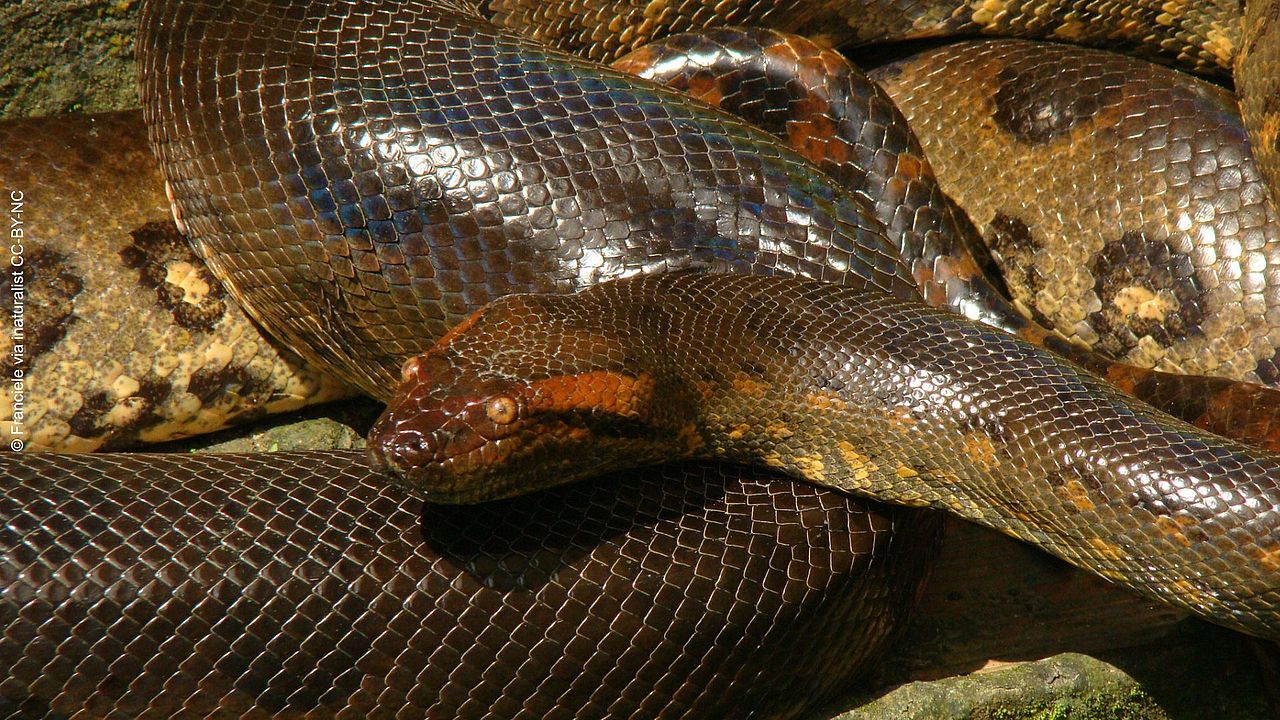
(17, 445)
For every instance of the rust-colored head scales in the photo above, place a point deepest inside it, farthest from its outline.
(537, 384)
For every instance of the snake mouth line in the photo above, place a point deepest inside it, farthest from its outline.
(484, 473)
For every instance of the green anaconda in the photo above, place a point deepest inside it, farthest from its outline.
(362, 175)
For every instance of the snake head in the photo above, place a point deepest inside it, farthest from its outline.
(502, 407)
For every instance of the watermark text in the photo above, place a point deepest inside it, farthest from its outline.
(17, 269)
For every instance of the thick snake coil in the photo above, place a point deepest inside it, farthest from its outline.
(362, 175)
(851, 390)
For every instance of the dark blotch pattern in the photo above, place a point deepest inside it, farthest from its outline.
(51, 287)
(1014, 244)
(1268, 369)
(87, 421)
(1025, 111)
(1153, 156)
(208, 385)
(155, 247)
(1138, 269)
(1014, 249)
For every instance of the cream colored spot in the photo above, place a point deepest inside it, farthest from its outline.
(164, 364)
(217, 355)
(53, 435)
(126, 412)
(106, 373)
(987, 12)
(1139, 301)
(186, 276)
(124, 386)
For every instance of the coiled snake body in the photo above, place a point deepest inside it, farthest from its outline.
(362, 175)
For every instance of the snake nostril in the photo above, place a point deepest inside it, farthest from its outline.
(376, 459)
(405, 451)
(395, 450)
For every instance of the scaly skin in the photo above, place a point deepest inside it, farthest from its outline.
(851, 390)
(363, 203)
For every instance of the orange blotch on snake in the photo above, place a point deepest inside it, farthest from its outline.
(706, 88)
(1075, 493)
(690, 438)
(979, 449)
(815, 139)
(599, 390)
(749, 386)
(1106, 550)
(779, 431)
(860, 466)
(1173, 528)
(826, 401)
(1268, 558)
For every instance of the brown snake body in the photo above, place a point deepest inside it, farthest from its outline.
(362, 175)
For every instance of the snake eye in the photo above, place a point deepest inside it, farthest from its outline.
(501, 409)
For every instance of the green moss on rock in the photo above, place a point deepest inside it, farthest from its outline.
(67, 56)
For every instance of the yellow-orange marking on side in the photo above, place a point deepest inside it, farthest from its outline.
(749, 386)
(1074, 492)
(860, 465)
(1173, 529)
(1269, 559)
(979, 449)
(811, 466)
(1106, 549)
